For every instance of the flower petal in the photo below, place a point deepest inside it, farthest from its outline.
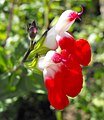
(72, 63)
(74, 83)
(40, 64)
(57, 99)
(83, 52)
(66, 41)
(73, 79)
(50, 41)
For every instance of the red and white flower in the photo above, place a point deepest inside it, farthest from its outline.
(61, 70)
(62, 77)
(65, 21)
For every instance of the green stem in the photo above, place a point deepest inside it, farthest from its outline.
(59, 115)
(26, 56)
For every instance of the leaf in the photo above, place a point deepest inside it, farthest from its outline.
(38, 51)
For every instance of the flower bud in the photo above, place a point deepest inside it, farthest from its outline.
(32, 30)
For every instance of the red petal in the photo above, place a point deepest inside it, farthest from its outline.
(68, 43)
(49, 83)
(74, 79)
(74, 83)
(73, 64)
(57, 99)
(64, 54)
(83, 52)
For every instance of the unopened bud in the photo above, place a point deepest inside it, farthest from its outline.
(32, 30)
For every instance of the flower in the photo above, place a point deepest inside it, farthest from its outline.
(62, 70)
(65, 21)
(62, 78)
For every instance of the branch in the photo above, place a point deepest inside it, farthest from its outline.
(28, 51)
(9, 27)
(26, 56)
(31, 47)
(32, 44)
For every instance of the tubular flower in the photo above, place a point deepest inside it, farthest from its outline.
(61, 70)
(65, 21)
(62, 77)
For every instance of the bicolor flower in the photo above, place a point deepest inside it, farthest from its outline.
(62, 77)
(61, 70)
(65, 21)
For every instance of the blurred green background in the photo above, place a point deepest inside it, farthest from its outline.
(22, 92)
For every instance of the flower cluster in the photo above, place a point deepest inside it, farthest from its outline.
(62, 64)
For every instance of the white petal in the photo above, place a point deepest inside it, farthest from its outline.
(51, 70)
(48, 57)
(40, 64)
(50, 41)
(48, 72)
(45, 61)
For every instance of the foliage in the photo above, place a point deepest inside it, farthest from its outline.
(16, 82)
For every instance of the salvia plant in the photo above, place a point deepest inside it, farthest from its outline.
(60, 57)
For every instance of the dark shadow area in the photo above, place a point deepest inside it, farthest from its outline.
(33, 107)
